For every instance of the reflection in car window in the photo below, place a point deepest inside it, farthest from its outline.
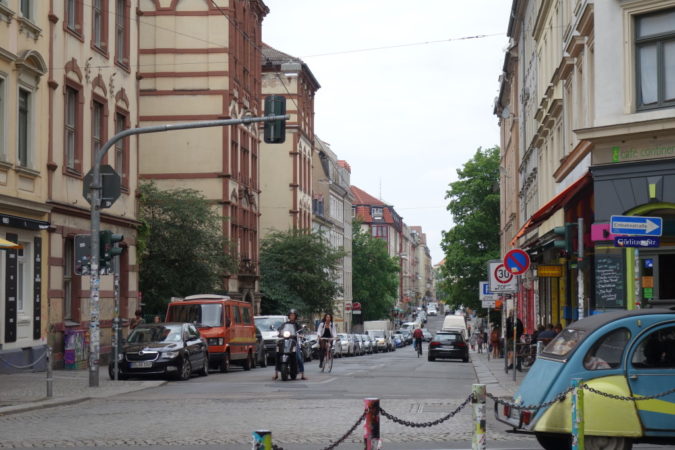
(607, 352)
(144, 335)
(564, 342)
(448, 337)
(656, 350)
(267, 323)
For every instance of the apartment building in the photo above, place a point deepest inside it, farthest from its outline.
(332, 206)
(200, 60)
(587, 116)
(424, 275)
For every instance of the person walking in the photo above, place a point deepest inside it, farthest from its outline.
(136, 320)
(510, 341)
(494, 340)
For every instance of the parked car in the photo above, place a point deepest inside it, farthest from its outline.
(408, 337)
(172, 350)
(269, 326)
(306, 349)
(401, 335)
(337, 348)
(358, 346)
(621, 353)
(398, 341)
(260, 353)
(432, 312)
(226, 325)
(347, 344)
(448, 345)
(368, 343)
(380, 339)
(427, 335)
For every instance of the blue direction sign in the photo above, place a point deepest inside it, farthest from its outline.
(643, 242)
(636, 225)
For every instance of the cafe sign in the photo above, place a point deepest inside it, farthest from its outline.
(549, 271)
(634, 150)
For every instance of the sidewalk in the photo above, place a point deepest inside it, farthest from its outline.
(26, 391)
(491, 373)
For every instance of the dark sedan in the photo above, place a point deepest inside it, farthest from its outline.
(172, 350)
(448, 345)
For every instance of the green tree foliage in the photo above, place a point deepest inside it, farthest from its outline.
(182, 250)
(375, 280)
(297, 270)
(474, 239)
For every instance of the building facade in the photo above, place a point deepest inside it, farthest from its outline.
(200, 60)
(332, 206)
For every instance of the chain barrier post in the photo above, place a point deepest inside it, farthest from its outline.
(262, 440)
(371, 429)
(479, 440)
(540, 347)
(50, 379)
(577, 415)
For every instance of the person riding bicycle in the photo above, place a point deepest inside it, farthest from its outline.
(292, 319)
(418, 336)
(326, 330)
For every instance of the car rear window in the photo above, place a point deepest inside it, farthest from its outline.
(564, 342)
(448, 337)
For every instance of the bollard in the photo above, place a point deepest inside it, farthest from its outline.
(50, 379)
(479, 440)
(540, 347)
(577, 415)
(371, 429)
(262, 440)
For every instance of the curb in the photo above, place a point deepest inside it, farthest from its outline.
(71, 400)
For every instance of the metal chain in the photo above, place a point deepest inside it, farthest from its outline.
(630, 399)
(44, 355)
(350, 431)
(408, 423)
(558, 398)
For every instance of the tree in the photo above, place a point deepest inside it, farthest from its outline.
(297, 270)
(474, 239)
(374, 275)
(181, 248)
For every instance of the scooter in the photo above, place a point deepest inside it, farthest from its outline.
(287, 351)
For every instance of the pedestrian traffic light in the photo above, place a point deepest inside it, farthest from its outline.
(108, 249)
(275, 130)
(566, 233)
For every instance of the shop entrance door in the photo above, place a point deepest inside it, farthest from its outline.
(658, 282)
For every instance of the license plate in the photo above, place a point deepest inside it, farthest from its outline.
(141, 365)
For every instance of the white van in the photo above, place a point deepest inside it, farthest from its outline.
(455, 323)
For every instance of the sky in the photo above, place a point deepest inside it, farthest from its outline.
(403, 99)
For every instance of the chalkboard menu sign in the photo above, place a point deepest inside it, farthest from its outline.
(610, 285)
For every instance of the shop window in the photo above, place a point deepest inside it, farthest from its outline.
(606, 353)
(655, 59)
(657, 350)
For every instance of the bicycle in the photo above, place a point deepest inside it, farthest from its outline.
(328, 354)
(418, 347)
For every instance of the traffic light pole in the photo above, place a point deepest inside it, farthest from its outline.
(95, 196)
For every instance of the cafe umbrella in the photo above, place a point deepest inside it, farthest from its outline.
(8, 245)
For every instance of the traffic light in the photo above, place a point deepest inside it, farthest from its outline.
(566, 233)
(108, 249)
(275, 130)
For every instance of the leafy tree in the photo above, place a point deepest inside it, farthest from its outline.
(374, 275)
(297, 270)
(182, 250)
(474, 239)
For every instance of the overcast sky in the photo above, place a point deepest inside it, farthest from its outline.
(405, 118)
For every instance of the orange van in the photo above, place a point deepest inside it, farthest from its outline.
(226, 324)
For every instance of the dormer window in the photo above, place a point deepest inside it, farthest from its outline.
(376, 213)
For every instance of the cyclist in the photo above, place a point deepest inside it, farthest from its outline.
(418, 336)
(326, 330)
(292, 319)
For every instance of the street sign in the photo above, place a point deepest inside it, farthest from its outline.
(517, 261)
(356, 306)
(641, 242)
(356, 311)
(636, 225)
(111, 186)
(348, 306)
(488, 298)
(549, 270)
(500, 280)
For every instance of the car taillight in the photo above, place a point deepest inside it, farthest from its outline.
(507, 411)
(525, 417)
(434, 344)
(460, 344)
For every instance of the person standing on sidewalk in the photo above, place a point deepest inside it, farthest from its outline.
(510, 337)
(494, 341)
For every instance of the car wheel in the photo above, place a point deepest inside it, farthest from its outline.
(263, 360)
(607, 443)
(225, 363)
(248, 362)
(431, 358)
(554, 441)
(465, 359)
(185, 371)
(205, 368)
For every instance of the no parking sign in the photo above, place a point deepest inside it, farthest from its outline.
(517, 261)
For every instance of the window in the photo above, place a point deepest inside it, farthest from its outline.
(26, 9)
(376, 213)
(99, 20)
(68, 279)
(3, 155)
(655, 60)
(24, 279)
(606, 353)
(97, 127)
(379, 231)
(121, 32)
(237, 315)
(24, 131)
(73, 16)
(657, 350)
(70, 129)
(121, 156)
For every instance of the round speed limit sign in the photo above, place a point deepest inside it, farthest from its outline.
(502, 274)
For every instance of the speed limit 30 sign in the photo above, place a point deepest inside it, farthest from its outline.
(501, 280)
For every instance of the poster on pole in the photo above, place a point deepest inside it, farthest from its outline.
(500, 279)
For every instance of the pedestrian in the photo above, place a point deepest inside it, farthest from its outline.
(494, 340)
(472, 341)
(136, 320)
(510, 341)
(157, 319)
(479, 341)
(292, 319)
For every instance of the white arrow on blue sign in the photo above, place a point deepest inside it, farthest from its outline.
(636, 225)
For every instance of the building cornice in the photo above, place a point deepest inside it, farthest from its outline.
(629, 129)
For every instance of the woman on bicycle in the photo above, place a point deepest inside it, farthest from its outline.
(325, 331)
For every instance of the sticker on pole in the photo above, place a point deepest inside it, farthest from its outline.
(500, 280)
(517, 261)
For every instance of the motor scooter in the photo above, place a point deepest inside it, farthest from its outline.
(287, 352)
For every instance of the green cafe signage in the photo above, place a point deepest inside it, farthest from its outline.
(634, 151)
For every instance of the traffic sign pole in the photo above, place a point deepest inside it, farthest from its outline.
(95, 214)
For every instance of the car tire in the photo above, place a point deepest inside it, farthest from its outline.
(225, 363)
(247, 363)
(185, 371)
(554, 441)
(205, 368)
(607, 443)
(465, 359)
(263, 360)
(431, 358)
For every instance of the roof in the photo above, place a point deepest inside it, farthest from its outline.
(361, 197)
(272, 59)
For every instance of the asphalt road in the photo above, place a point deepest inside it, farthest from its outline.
(222, 410)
